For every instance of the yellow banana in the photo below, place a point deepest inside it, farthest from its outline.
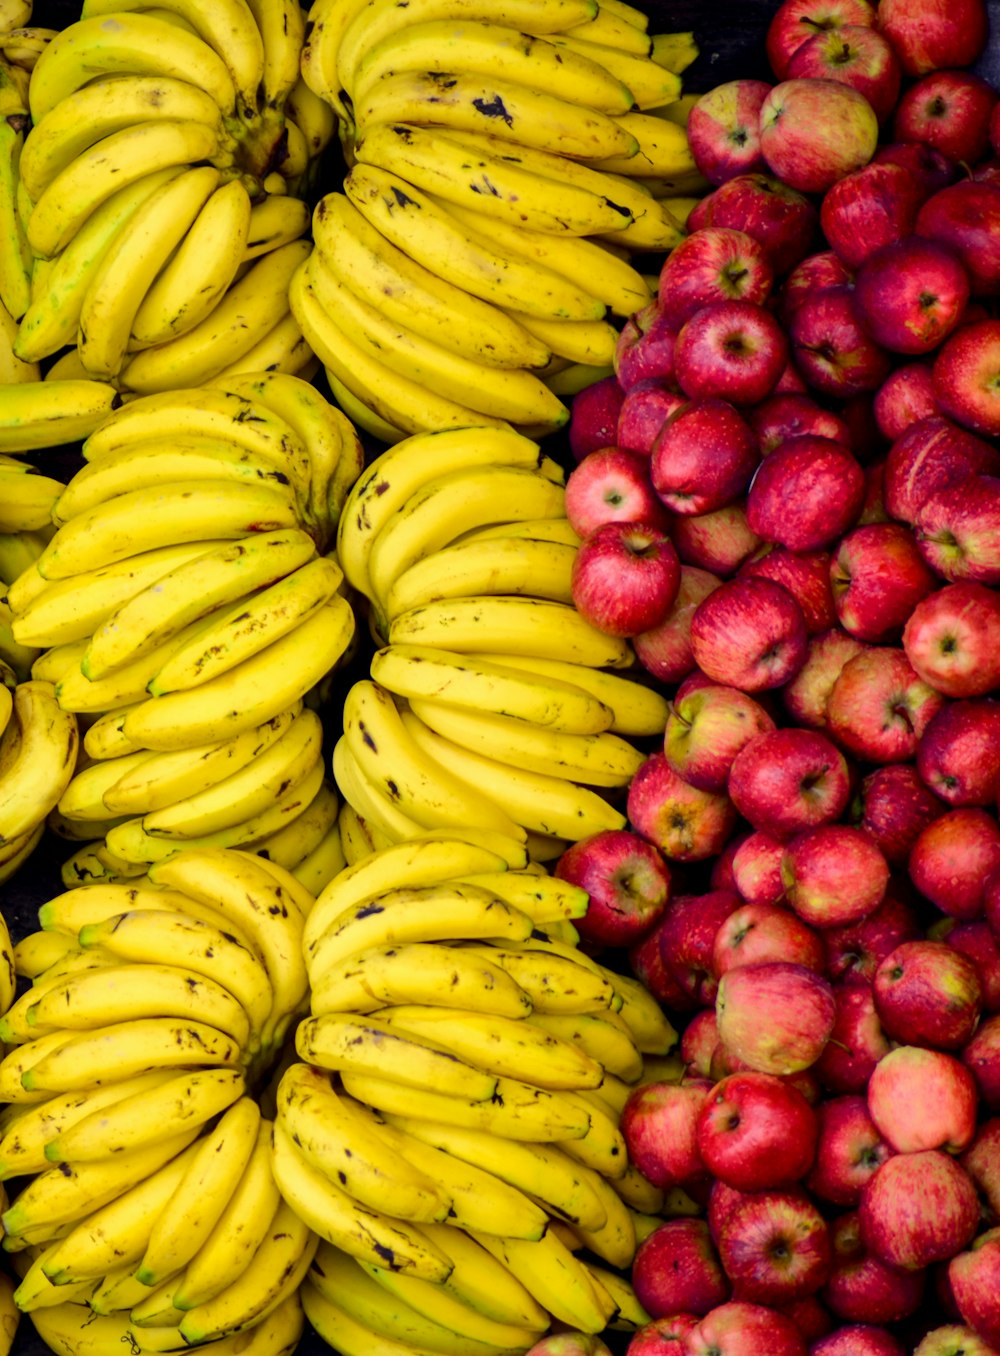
(557, 1278)
(275, 220)
(650, 84)
(38, 751)
(639, 709)
(48, 414)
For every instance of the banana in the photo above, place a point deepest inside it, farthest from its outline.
(275, 220)
(36, 951)
(319, 866)
(353, 1337)
(246, 628)
(169, 514)
(68, 912)
(590, 342)
(12, 368)
(378, 20)
(500, 393)
(640, 1194)
(368, 800)
(38, 753)
(576, 377)
(674, 51)
(313, 116)
(639, 709)
(166, 1108)
(200, 584)
(227, 28)
(282, 350)
(15, 254)
(663, 150)
(423, 226)
(532, 529)
(407, 293)
(52, 318)
(290, 845)
(603, 1148)
(650, 84)
(98, 110)
(47, 414)
(502, 624)
(605, 1037)
(554, 983)
(616, 30)
(546, 899)
(105, 737)
(651, 1030)
(130, 44)
(19, 551)
(27, 498)
(556, 1277)
(418, 972)
(504, 1046)
(247, 310)
(73, 1327)
(518, 194)
(282, 29)
(204, 265)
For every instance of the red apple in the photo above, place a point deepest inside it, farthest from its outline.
(658, 1123)
(677, 1270)
(647, 406)
(981, 1161)
(918, 1208)
(831, 347)
(687, 936)
(958, 530)
(806, 696)
(730, 350)
(854, 952)
(788, 780)
(810, 1316)
(858, 1339)
(706, 729)
(786, 416)
(927, 993)
(813, 132)
(628, 883)
(854, 55)
(662, 1337)
(750, 634)
(875, 206)
(953, 859)
(703, 456)
(952, 639)
(815, 273)
(964, 216)
(849, 1149)
(931, 168)
(806, 576)
(715, 263)
(594, 416)
(611, 485)
(698, 1042)
(647, 965)
(718, 540)
(685, 824)
(893, 807)
(758, 933)
(645, 346)
(775, 1017)
(757, 1132)
(833, 875)
(959, 753)
(904, 398)
(932, 455)
(912, 294)
(775, 1247)
(806, 494)
(950, 110)
(929, 34)
(570, 1344)
(722, 129)
(974, 1277)
(879, 707)
(665, 650)
(741, 1329)
(878, 576)
(857, 1042)
(796, 21)
(862, 1288)
(625, 578)
(981, 1056)
(922, 1099)
(976, 940)
(757, 873)
(781, 219)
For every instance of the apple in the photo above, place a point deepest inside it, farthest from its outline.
(742, 1329)
(645, 346)
(814, 131)
(795, 22)
(981, 1161)
(647, 965)
(714, 263)
(929, 166)
(706, 729)
(858, 1339)
(950, 110)
(952, 1339)
(698, 1042)
(933, 454)
(658, 1123)
(862, 1288)
(647, 406)
(757, 1132)
(928, 35)
(857, 1042)
(922, 1099)
(964, 216)
(959, 753)
(855, 55)
(849, 1148)
(918, 1208)
(662, 1336)
(722, 129)
(927, 993)
(893, 807)
(625, 577)
(952, 639)
(594, 416)
(750, 634)
(683, 822)
(718, 540)
(677, 1270)
(831, 347)
(878, 576)
(781, 219)
(879, 707)
(787, 780)
(958, 529)
(806, 493)
(775, 1247)
(981, 1056)
(732, 350)
(806, 696)
(757, 933)
(810, 1316)
(953, 859)
(806, 576)
(775, 1017)
(873, 509)
(833, 875)
(704, 455)
(856, 950)
(875, 206)
(904, 398)
(757, 870)
(628, 883)
(570, 1344)
(687, 936)
(609, 485)
(665, 650)
(977, 940)
(815, 273)
(974, 1277)
(912, 294)
(788, 415)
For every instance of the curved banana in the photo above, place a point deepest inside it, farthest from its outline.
(247, 310)
(422, 225)
(358, 838)
(15, 253)
(47, 414)
(318, 867)
(313, 116)
(12, 368)
(227, 28)
(651, 1030)
(38, 753)
(204, 265)
(639, 709)
(663, 150)
(291, 845)
(557, 983)
(283, 349)
(275, 220)
(105, 737)
(73, 1327)
(613, 1241)
(74, 909)
(336, 1140)
(650, 84)
(27, 497)
(282, 29)
(583, 342)
(616, 29)
(371, 803)
(555, 1276)
(604, 1036)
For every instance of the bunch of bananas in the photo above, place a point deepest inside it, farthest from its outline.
(133, 1122)
(38, 753)
(452, 1132)
(185, 610)
(152, 167)
(490, 702)
(504, 164)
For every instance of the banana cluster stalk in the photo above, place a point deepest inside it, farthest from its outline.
(504, 165)
(490, 702)
(185, 607)
(451, 1133)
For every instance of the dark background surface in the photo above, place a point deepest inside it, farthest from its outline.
(730, 36)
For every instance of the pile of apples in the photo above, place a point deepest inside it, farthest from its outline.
(789, 498)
